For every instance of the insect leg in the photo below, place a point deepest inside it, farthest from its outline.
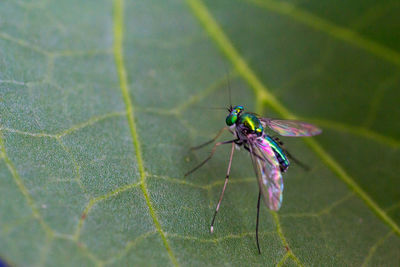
(258, 201)
(258, 156)
(223, 189)
(211, 155)
(258, 217)
(298, 162)
(212, 140)
(276, 138)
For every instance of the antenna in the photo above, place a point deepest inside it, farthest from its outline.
(229, 87)
(208, 108)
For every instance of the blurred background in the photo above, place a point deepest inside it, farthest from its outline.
(100, 102)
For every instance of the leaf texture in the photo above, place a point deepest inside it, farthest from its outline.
(101, 100)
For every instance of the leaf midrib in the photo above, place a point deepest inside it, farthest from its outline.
(118, 30)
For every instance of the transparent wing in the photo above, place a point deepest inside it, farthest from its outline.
(268, 173)
(291, 127)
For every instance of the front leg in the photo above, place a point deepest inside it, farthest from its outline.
(212, 140)
(223, 189)
(211, 155)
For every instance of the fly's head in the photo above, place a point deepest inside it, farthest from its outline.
(234, 115)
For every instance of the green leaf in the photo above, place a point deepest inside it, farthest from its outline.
(100, 102)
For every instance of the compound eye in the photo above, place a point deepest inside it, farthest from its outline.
(231, 119)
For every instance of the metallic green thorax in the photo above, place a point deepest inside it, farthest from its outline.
(251, 122)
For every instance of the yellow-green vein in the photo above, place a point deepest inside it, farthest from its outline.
(336, 31)
(72, 129)
(95, 200)
(283, 239)
(206, 186)
(22, 43)
(118, 27)
(89, 122)
(341, 173)
(83, 248)
(283, 260)
(226, 46)
(23, 189)
(45, 250)
(373, 249)
(357, 130)
(217, 239)
(129, 245)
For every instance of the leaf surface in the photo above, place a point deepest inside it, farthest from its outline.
(101, 100)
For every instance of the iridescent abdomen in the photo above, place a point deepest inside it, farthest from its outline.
(279, 153)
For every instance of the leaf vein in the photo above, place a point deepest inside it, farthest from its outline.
(377, 99)
(283, 260)
(217, 239)
(129, 245)
(23, 43)
(330, 28)
(72, 129)
(282, 236)
(206, 186)
(77, 178)
(357, 130)
(94, 201)
(118, 28)
(82, 247)
(374, 247)
(45, 250)
(17, 179)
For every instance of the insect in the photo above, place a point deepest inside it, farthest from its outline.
(270, 159)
